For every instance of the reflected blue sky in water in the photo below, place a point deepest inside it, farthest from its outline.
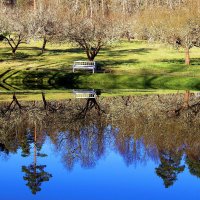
(110, 179)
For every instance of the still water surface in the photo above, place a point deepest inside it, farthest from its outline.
(127, 148)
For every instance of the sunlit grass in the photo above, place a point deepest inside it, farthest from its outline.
(124, 57)
(125, 64)
(68, 94)
(37, 96)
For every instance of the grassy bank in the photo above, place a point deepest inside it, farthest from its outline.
(125, 65)
(68, 94)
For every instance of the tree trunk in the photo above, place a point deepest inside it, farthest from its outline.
(91, 9)
(44, 100)
(89, 55)
(44, 45)
(14, 46)
(187, 56)
(34, 5)
(14, 51)
(102, 7)
(92, 53)
(91, 58)
(187, 96)
(128, 36)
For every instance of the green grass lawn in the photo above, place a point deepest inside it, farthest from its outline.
(135, 64)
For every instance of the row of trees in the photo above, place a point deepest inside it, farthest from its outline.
(93, 24)
(19, 25)
(179, 27)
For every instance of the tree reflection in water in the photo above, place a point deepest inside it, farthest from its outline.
(194, 166)
(3, 151)
(170, 167)
(35, 174)
(145, 128)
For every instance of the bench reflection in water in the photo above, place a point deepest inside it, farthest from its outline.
(86, 94)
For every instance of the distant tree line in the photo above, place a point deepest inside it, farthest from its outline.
(94, 24)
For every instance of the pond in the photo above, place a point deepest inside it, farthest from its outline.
(106, 148)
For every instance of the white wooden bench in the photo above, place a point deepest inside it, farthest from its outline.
(85, 94)
(84, 65)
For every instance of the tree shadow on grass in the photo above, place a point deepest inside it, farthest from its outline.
(4, 73)
(35, 79)
(194, 61)
(172, 61)
(61, 51)
(196, 86)
(67, 81)
(30, 48)
(177, 68)
(59, 79)
(49, 79)
(164, 82)
(103, 66)
(20, 56)
(124, 52)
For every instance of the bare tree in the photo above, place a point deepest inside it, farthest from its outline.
(183, 30)
(46, 24)
(180, 27)
(92, 34)
(15, 27)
